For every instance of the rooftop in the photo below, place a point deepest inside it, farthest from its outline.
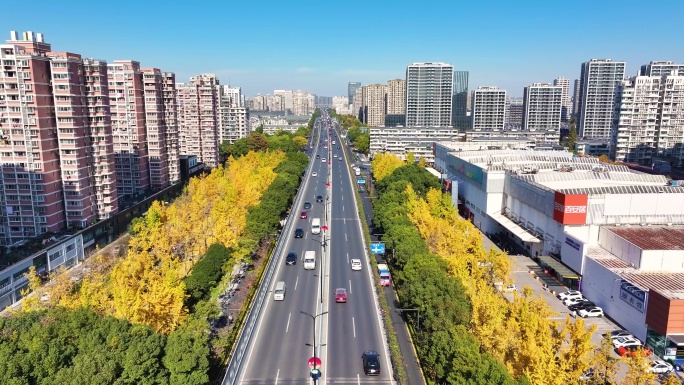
(670, 285)
(652, 237)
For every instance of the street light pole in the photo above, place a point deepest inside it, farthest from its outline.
(313, 317)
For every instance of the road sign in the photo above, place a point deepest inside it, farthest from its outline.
(314, 362)
(325, 228)
(361, 181)
(378, 248)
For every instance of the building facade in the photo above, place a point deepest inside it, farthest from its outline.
(650, 120)
(599, 79)
(351, 90)
(374, 107)
(429, 93)
(542, 107)
(396, 97)
(171, 117)
(575, 98)
(198, 132)
(460, 117)
(417, 140)
(566, 111)
(661, 68)
(489, 109)
(514, 113)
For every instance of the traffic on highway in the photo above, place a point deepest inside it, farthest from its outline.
(321, 318)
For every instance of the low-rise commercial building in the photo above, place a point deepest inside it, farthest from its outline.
(417, 140)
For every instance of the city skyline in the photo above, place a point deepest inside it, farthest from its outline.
(506, 54)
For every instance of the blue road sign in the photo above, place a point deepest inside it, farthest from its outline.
(361, 181)
(378, 248)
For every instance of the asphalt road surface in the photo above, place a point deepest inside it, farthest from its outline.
(284, 336)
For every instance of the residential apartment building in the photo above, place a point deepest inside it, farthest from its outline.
(429, 93)
(198, 116)
(233, 96)
(514, 113)
(374, 96)
(660, 68)
(275, 103)
(357, 107)
(304, 103)
(171, 120)
(156, 130)
(233, 119)
(650, 120)
(52, 174)
(126, 97)
(341, 105)
(575, 98)
(598, 81)
(351, 90)
(288, 100)
(566, 103)
(396, 97)
(489, 108)
(542, 106)
(257, 103)
(460, 118)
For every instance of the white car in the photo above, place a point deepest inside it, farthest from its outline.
(660, 367)
(314, 173)
(574, 301)
(335, 156)
(356, 264)
(510, 288)
(568, 294)
(323, 160)
(591, 312)
(625, 341)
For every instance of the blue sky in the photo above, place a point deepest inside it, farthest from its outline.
(319, 46)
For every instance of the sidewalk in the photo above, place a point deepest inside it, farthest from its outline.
(413, 370)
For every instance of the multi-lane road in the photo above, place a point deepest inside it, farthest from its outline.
(283, 339)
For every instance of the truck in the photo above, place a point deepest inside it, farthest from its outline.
(384, 274)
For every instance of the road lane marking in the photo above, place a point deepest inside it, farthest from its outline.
(347, 257)
(296, 282)
(358, 379)
(277, 375)
(350, 290)
(286, 329)
(342, 207)
(345, 237)
(354, 327)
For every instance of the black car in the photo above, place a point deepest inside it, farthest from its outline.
(307, 205)
(291, 258)
(318, 156)
(371, 363)
(299, 233)
(319, 198)
(581, 305)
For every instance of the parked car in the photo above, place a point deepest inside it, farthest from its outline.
(590, 312)
(291, 258)
(581, 305)
(660, 367)
(620, 333)
(588, 375)
(341, 295)
(356, 264)
(633, 351)
(574, 301)
(568, 294)
(371, 363)
(299, 233)
(626, 341)
(510, 288)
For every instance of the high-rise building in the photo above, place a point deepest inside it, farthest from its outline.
(288, 100)
(351, 90)
(542, 106)
(650, 120)
(429, 93)
(575, 98)
(396, 97)
(303, 103)
(198, 116)
(276, 103)
(566, 111)
(156, 130)
(232, 95)
(171, 117)
(341, 105)
(514, 113)
(598, 81)
(56, 156)
(460, 118)
(374, 97)
(127, 99)
(233, 119)
(358, 105)
(660, 68)
(257, 103)
(489, 108)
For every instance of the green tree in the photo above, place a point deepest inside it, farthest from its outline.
(572, 137)
(206, 273)
(362, 143)
(256, 142)
(420, 179)
(603, 361)
(260, 129)
(187, 358)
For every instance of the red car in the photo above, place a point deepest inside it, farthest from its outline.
(303, 215)
(341, 295)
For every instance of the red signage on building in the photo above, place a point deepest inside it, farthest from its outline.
(570, 209)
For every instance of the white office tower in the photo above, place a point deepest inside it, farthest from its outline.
(660, 68)
(650, 121)
(599, 79)
(542, 106)
(489, 109)
(566, 111)
(429, 92)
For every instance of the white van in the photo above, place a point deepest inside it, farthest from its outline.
(316, 226)
(279, 292)
(310, 260)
